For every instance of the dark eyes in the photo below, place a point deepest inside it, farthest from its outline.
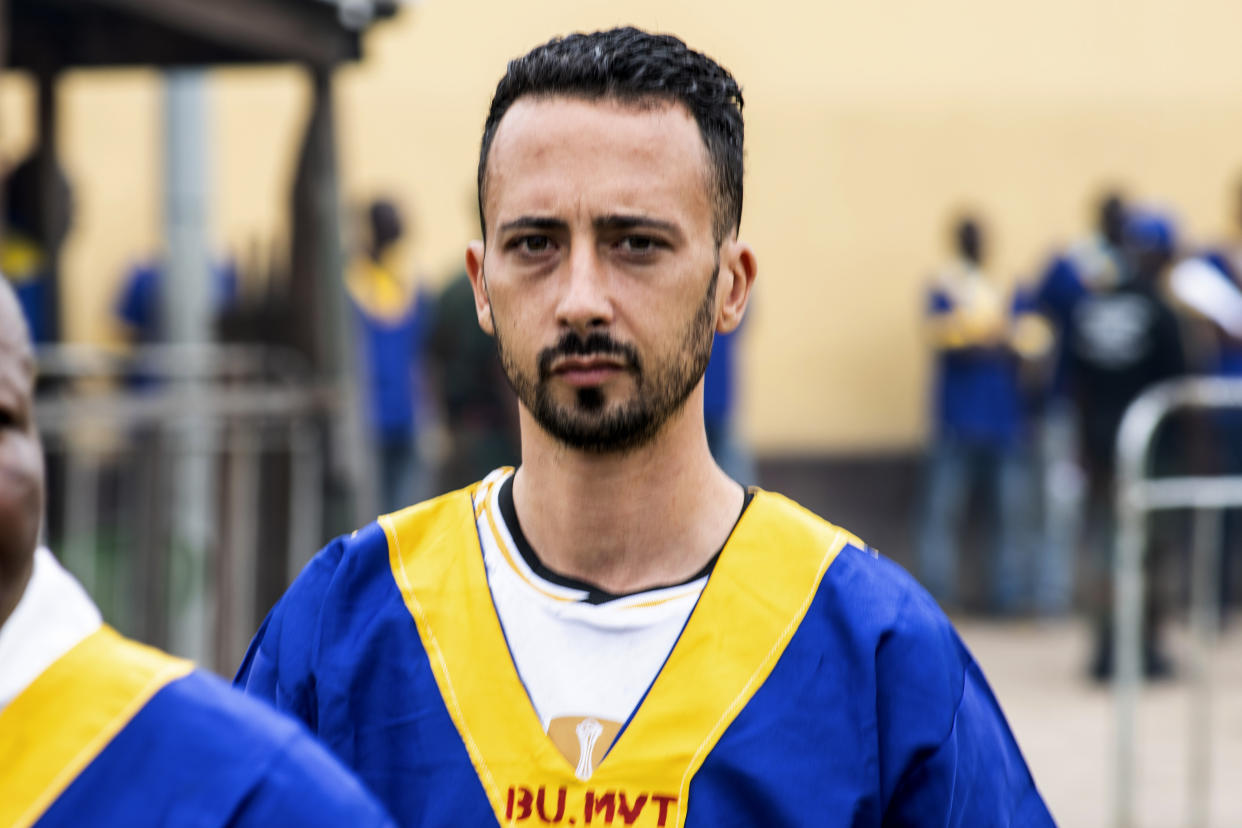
(7, 418)
(638, 244)
(534, 244)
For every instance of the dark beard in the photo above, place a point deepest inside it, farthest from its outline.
(589, 424)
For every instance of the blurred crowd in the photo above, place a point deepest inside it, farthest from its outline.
(436, 408)
(1030, 387)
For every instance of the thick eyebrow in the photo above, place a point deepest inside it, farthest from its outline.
(616, 223)
(534, 223)
(611, 223)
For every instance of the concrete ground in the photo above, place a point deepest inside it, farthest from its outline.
(1066, 725)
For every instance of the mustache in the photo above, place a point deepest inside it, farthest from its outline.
(596, 344)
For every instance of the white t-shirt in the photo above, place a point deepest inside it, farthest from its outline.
(586, 657)
(53, 615)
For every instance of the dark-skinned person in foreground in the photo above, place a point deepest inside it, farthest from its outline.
(99, 730)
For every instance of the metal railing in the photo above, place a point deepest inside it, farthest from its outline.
(1138, 495)
(176, 494)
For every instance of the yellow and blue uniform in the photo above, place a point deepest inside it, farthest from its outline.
(24, 263)
(392, 319)
(977, 398)
(114, 733)
(814, 683)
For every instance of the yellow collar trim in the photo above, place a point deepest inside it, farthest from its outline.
(508, 555)
(69, 714)
(749, 611)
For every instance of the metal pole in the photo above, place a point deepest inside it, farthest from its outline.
(1204, 617)
(1136, 496)
(1127, 646)
(239, 556)
(305, 496)
(318, 274)
(53, 214)
(81, 547)
(186, 305)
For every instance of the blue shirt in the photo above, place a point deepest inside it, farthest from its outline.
(815, 683)
(118, 735)
(976, 396)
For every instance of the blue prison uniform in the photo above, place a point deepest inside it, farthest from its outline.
(814, 683)
(976, 397)
(118, 734)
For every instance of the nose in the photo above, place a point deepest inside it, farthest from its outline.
(586, 302)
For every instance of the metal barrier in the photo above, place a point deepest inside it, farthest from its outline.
(1137, 495)
(175, 497)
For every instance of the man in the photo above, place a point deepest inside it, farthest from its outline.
(37, 221)
(1091, 265)
(98, 730)
(1120, 341)
(392, 316)
(1209, 287)
(617, 633)
(978, 426)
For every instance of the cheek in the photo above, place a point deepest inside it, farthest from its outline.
(21, 493)
(515, 317)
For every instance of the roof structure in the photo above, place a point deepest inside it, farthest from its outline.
(169, 33)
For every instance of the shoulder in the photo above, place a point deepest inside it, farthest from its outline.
(241, 753)
(345, 566)
(214, 723)
(867, 598)
(351, 565)
(197, 752)
(867, 586)
(204, 707)
(935, 717)
(351, 571)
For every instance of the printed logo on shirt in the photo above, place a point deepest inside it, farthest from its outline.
(547, 805)
(583, 740)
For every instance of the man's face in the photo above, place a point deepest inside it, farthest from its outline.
(599, 275)
(21, 460)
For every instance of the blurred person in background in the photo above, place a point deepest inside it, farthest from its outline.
(978, 428)
(28, 247)
(140, 310)
(139, 304)
(393, 313)
(720, 411)
(479, 411)
(1094, 263)
(99, 730)
(1208, 286)
(616, 631)
(1121, 339)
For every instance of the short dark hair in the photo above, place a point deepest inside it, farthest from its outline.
(631, 65)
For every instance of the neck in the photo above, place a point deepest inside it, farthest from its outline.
(630, 521)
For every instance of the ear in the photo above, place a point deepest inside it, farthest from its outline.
(738, 269)
(482, 303)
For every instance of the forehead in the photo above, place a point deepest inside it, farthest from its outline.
(551, 153)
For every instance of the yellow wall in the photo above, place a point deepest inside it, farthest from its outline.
(868, 124)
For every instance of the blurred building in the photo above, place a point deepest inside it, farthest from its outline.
(161, 501)
(860, 126)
